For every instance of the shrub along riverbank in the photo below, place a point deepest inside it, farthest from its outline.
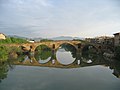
(5, 51)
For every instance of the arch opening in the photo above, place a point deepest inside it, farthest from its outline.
(66, 54)
(43, 53)
(109, 49)
(89, 54)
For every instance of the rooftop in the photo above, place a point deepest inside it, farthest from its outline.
(117, 33)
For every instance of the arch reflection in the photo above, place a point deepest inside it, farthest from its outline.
(89, 54)
(43, 54)
(66, 50)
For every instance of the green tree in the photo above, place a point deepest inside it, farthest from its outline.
(3, 53)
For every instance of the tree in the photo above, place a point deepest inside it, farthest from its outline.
(3, 53)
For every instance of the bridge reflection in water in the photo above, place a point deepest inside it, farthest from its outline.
(44, 56)
(67, 57)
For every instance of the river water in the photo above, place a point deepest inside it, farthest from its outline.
(66, 71)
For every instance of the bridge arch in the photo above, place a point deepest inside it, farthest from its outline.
(108, 49)
(89, 53)
(43, 53)
(89, 46)
(66, 50)
(66, 43)
(41, 46)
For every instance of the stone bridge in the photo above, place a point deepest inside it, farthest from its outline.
(54, 45)
(51, 44)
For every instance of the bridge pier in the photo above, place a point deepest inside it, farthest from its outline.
(31, 51)
(53, 57)
(78, 56)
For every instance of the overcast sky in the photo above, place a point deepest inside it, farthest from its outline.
(51, 18)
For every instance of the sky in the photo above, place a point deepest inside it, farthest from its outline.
(52, 18)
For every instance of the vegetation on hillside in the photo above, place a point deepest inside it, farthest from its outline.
(46, 40)
(9, 40)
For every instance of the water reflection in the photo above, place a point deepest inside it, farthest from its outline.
(43, 54)
(65, 57)
(66, 50)
(4, 68)
(89, 54)
(3, 71)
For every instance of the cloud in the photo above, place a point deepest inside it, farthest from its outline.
(49, 18)
(46, 3)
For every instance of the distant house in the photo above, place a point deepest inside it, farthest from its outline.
(105, 40)
(2, 36)
(31, 41)
(117, 39)
(91, 40)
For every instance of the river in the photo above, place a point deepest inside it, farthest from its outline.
(65, 70)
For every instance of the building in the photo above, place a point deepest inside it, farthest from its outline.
(91, 40)
(31, 41)
(2, 36)
(117, 39)
(105, 40)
